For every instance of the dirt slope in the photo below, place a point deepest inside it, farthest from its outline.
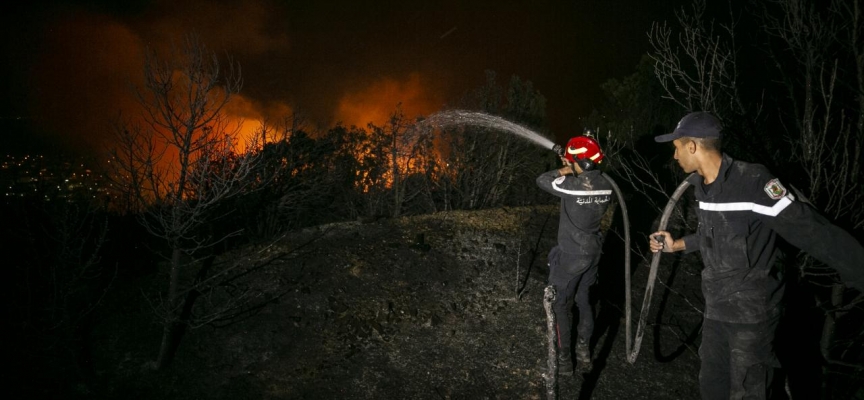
(443, 306)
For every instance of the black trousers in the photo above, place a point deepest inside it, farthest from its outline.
(738, 360)
(572, 275)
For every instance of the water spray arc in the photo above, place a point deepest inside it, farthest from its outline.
(474, 118)
(462, 117)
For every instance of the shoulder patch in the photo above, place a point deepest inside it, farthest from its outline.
(774, 189)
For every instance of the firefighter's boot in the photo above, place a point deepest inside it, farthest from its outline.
(565, 362)
(583, 354)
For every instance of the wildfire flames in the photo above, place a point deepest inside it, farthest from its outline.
(102, 58)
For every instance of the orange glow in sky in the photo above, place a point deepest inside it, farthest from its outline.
(376, 102)
(248, 117)
(95, 87)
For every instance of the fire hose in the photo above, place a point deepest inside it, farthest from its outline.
(626, 254)
(493, 122)
(633, 345)
(652, 276)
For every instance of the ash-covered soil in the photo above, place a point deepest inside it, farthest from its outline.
(443, 306)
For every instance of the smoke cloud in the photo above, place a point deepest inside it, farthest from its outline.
(73, 63)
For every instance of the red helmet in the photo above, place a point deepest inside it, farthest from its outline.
(582, 147)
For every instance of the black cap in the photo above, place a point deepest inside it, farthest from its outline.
(698, 124)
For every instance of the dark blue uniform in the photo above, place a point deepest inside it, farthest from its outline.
(573, 263)
(740, 215)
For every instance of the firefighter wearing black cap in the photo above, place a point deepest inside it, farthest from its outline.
(742, 209)
(585, 195)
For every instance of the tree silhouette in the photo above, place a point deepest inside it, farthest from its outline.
(179, 166)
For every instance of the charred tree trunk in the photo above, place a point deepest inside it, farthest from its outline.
(167, 348)
(175, 328)
(552, 344)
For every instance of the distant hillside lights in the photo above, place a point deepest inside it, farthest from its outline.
(36, 176)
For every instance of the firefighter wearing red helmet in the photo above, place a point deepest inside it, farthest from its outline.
(585, 197)
(583, 148)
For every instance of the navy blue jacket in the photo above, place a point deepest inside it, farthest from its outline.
(584, 200)
(740, 216)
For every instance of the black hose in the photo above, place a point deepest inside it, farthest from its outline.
(626, 253)
(652, 275)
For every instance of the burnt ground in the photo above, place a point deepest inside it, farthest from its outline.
(443, 306)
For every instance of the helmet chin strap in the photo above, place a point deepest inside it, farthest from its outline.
(574, 168)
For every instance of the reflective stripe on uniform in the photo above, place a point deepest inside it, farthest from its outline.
(759, 209)
(577, 192)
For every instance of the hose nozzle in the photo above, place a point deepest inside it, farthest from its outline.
(558, 149)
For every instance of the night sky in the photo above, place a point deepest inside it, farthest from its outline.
(68, 65)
